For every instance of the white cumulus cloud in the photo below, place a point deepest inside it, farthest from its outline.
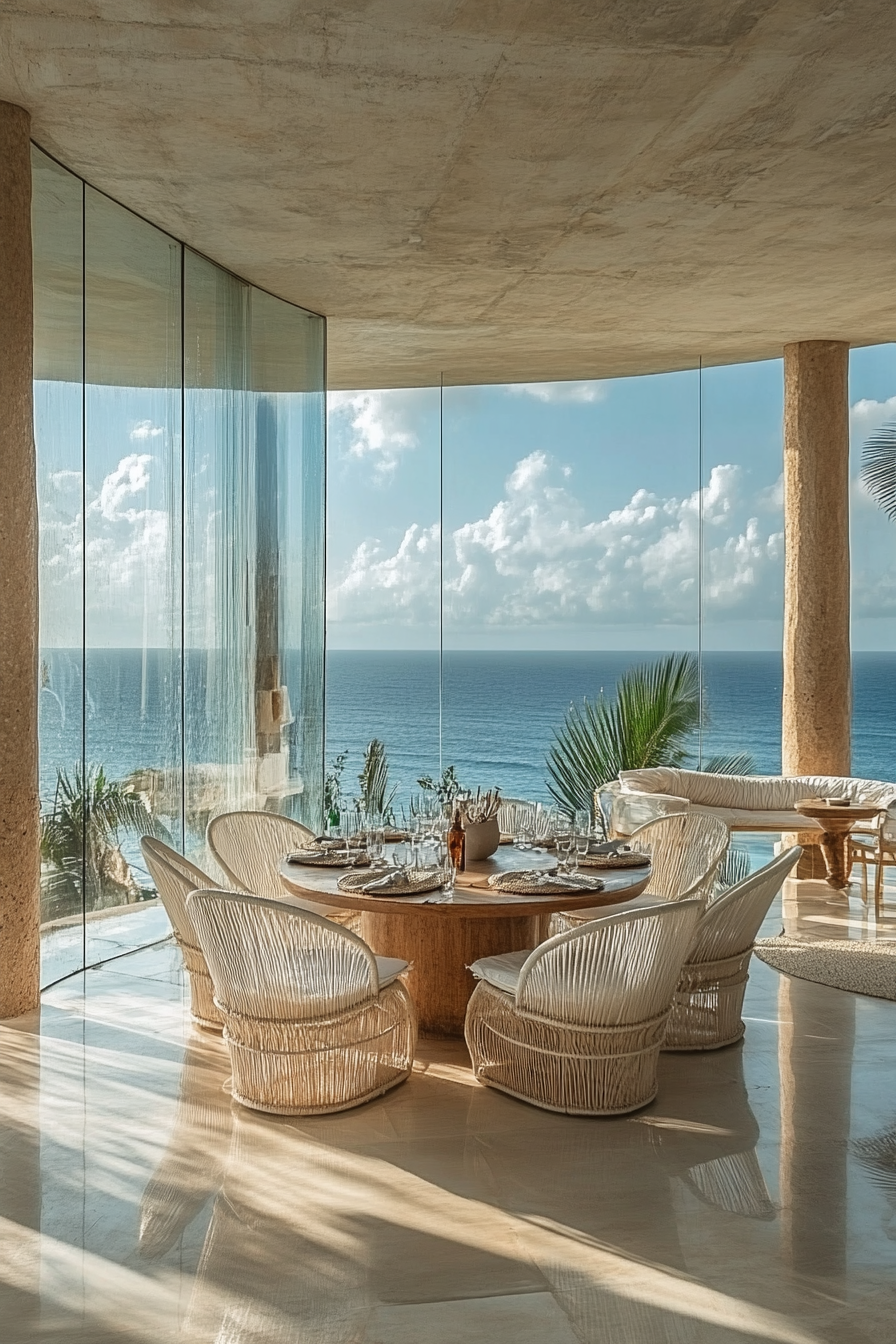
(538, 558)
(145, 429)
(560, 392)
(129, 479)
(376, 431)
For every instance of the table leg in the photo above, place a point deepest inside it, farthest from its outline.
(441, 946)
(835, 847)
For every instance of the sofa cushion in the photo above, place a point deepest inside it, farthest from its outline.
(766, 793)
(750, 819)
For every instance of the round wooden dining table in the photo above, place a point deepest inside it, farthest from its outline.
(442, 938)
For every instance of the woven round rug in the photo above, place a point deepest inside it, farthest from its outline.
(414, 882)
(528, 881)
(628, 860)
(330, 858)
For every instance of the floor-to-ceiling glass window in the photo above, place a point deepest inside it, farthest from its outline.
(58, 426)
(872, 430)
(132, 549)
(571, 555)
(383, 545)
(742, 575)
(180, 431)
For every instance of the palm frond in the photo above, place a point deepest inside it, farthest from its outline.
(376, 797)
(735, 866)
(879, 468)
(738, 763)
(655, 710)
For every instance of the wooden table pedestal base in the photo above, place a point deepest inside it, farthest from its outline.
(441, 950)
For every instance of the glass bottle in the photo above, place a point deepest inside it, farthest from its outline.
(457, 842)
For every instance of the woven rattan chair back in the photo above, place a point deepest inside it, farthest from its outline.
(730, 923)
(274, 959)
(307, 1026)
(685, 852)
(250, 846)
(706, 1012)
(613, 971)
(175, 879)
(582, 1034)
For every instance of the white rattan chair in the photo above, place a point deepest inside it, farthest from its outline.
(685, 851)
(707, 1005)
(175, 878)
(577, 1025)
(250, 847)
(314, 1022)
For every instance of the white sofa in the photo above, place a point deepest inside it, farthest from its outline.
(743, 802)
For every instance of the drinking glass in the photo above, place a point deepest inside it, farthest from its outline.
(564, 839)
(583, 840)
(449, 876)
(376, 846)
(522, 826)
(582, 821)
(401, 855)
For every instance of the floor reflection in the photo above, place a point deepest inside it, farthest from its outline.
(816, 1058)
(142, 1205)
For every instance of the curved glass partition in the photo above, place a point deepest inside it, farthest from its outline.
(179, 417)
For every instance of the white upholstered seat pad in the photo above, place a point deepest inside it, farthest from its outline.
(389, 969)
(597, 911)
(502, 971)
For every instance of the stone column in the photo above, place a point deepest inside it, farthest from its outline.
(817, 680)
(19, 830)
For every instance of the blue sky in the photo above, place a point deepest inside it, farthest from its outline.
(570, 513)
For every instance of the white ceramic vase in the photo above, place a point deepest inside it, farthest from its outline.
(481, 839)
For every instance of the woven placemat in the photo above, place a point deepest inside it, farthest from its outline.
(416, 881)
(329, 858)
(624, 860)
(526, 881)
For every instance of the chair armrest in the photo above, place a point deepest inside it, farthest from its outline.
(631, 810)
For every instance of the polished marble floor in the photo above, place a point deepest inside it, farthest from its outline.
(754, 1200)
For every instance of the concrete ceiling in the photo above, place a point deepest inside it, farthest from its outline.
(498, 190)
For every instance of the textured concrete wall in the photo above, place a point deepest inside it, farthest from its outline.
(19, 853)
(494, 192)
(817, 683)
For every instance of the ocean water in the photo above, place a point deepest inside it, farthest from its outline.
(498, 713)
(500, 710)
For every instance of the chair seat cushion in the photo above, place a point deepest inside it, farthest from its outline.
(644, 902)
(502, 971)
(389, 969)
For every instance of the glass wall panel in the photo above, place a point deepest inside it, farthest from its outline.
(133, 556)
(171, 636)
(383, 582)
(571, 554)
(58, 312)
(872, 413)
(743, 572)
(287, 361)
(218, 627)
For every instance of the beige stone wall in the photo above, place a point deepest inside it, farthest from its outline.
(817, 679)
(19, 851)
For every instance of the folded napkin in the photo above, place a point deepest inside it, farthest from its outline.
(575, 881)
(391, 881)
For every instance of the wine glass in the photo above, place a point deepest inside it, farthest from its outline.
(582, 841)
